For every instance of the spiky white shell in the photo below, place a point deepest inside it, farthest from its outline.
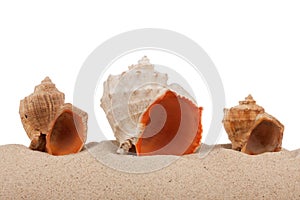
(126, 96)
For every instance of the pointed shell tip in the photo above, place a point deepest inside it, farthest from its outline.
(46, 79)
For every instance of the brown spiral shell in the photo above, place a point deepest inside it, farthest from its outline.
(53, 126)
(250, 129)
(38, 110)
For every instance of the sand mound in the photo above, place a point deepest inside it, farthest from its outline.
(223, 174)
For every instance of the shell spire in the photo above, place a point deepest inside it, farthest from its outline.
(46, 86)
(248, 100)
(249, 104)
(144, 61)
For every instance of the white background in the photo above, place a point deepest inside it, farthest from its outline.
(255, 46)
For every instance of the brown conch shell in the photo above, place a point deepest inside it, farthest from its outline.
(148, 116)
(50, 123)
(251, 130)
(38, 110)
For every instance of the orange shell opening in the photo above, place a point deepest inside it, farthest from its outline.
(64, 137)
(264, 137)
(180, 122)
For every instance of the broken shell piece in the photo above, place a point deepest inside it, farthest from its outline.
(38, 110)
(149, 116)
(67, 132)
(51, 125)
(251, 130)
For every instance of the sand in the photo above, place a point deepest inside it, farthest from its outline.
(222, 174)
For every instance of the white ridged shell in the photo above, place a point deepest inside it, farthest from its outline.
(127, 95)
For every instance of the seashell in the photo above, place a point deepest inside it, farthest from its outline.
(67, 132)
(251, 130)
(147, 115)
(51, 125)
(38, 110)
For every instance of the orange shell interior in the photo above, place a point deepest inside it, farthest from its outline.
(172, 126)
(64, 137)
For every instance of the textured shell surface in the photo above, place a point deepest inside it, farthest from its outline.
(127, 96)
(38, 110)
(252, 130)
(239, 119)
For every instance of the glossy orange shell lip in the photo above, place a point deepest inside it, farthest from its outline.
(66, 134)
(180, 132)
